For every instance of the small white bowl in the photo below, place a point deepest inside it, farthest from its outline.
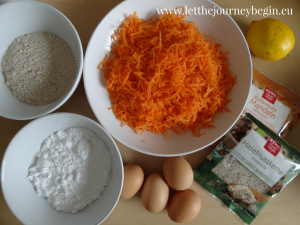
(19, 192)
(224, 31)
(25, 17)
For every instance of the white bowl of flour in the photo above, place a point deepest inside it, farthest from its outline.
(26, 17)
(21, 154)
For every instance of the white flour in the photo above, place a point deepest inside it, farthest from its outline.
(73, 168)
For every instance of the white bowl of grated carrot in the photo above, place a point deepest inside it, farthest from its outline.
(165, 89)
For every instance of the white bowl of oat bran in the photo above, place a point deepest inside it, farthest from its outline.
(21, 154)
(26, 17)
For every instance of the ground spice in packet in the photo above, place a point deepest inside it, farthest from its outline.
(273, 104)
(248, 168)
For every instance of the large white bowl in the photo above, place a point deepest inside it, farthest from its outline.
(224, 31)
(18, 18)
(19, 192)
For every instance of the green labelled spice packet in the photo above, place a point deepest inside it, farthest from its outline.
(248, 167)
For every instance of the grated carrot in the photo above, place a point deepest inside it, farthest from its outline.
(163, 74)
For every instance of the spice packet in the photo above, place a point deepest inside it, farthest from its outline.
(273, 104)
(248, 168)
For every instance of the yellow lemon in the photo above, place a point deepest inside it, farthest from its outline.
(270, 39)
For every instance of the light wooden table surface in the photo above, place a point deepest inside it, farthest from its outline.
(283, 209)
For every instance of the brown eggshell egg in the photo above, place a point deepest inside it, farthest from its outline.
(178, 173)
(184, 206)
(133, 180)
(155, 193)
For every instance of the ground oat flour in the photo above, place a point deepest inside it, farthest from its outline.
(72, 169)
(39, 68)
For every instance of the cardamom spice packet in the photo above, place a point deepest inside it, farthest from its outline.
(248, 168)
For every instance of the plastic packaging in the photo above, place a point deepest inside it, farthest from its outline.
(273, 104)
(248, 168)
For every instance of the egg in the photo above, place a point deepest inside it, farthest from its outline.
(184, 206)
(155, 193)
(133, 180)
(178, 173)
